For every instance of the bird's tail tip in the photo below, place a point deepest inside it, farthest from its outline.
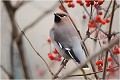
(86, 67)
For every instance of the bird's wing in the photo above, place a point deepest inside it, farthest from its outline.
(62, 41)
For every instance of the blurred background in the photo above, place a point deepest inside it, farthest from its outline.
(38, 16)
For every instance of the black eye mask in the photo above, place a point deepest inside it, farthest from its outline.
(61, 15)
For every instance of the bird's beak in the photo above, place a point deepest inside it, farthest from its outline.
(57, 18)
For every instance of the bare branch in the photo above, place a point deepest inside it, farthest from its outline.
(20, 3)
(8, 74)
(34, 49)
(109, 38)
(41, 17)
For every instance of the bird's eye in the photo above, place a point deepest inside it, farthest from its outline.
(61, 15)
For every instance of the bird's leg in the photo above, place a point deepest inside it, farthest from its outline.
(63, 62)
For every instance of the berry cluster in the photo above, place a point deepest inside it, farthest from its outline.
(96, 3)
(56, 56)
(92, 23)
(99, 64)
(70, 3)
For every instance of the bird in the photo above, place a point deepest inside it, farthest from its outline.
(66, 39)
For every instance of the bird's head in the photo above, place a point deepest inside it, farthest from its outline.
(61, 16)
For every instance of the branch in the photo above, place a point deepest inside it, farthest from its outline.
(34, 48)
(11, 12)
(92, 56)
(9, 75)
(19, 4)
(41, 17)
(93, 20)
(38, 19)
(90, 73)
(109, 38)
(60, 69)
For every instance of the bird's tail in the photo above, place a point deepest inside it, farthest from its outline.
(86, 67)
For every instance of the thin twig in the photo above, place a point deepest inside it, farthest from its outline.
(89, 73)
(93, 20)
(111, 54)
(37, 20)
(8, 74)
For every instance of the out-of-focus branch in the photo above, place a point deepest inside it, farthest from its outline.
(41, 17)
(11, 12)
(92, 56)
(38, 19)
(20, 3)
(34, 49)
(8, 74)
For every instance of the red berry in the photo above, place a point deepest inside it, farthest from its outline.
(84, 16)
(89, 25)
(92, 2)
(100, 68)
(107, 20)
(98, 18)
(49, 40)
(116, 51)
(72, 5)
(78, 1)
(109, 59)
(96, 5)
(68, 1)
(99, 62)
(100, 12)
(60, 7)
(103, 22)
(51, 56)
(81, 3)
(55, 51)
(87, 4)
(100, 2)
